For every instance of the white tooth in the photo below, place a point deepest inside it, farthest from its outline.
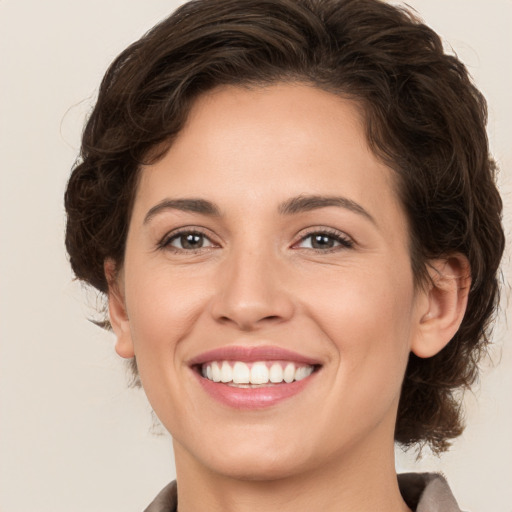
(241, 373)
(289, 373)
(303, 372)
(209, 372)
(226, 373)
(203, 371)
(259, 373)
(276, 373)
(215, 372)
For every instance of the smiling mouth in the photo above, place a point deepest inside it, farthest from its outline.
(253, 378)
(255, 374)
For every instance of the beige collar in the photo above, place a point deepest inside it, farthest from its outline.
(423, 492)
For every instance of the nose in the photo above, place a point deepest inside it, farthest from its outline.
(251, 292)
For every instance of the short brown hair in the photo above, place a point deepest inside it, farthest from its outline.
(424, 118)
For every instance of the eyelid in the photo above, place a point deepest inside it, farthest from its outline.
(344, 240)
(165, 241)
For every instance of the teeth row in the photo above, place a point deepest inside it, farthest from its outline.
(257, 373)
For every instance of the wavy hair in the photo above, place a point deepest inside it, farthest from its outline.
(423, 116)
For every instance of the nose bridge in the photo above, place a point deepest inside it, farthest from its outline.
(250, 288)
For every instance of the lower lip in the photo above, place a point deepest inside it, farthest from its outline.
(253, 398)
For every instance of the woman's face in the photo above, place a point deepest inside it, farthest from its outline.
(269, 239)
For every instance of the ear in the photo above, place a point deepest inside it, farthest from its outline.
(117, 310)
(442, 305)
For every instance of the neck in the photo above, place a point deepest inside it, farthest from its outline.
(362, 480)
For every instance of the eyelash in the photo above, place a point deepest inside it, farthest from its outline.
(165, 243)
(344, 241)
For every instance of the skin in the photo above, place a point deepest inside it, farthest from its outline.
(258, 280)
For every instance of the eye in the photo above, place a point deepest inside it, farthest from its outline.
(186, 241)
(325, 241)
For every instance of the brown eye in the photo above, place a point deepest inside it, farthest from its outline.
(324, 241)
(189, 240)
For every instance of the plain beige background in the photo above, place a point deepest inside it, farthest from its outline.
(73, 437)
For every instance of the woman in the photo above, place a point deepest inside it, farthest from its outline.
(292, 210)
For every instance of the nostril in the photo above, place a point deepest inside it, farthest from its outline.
(249, 324)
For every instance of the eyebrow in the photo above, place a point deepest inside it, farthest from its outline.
(305, 203)
(299, 204)
(187, 205)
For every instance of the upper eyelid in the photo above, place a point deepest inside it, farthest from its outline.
(343, 243)
(325, 230)
(175, 233)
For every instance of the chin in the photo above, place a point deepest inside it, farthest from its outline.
(258, 469)
(254, 461)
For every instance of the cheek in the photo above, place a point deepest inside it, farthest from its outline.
(163, 313)
(360, 303)
(370, 322)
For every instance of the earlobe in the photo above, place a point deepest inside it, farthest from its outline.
(443, 304)
(117, 311)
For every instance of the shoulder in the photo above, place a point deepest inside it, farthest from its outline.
(166, 500)
(427, 492)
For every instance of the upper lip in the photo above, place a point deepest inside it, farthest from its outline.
(252, 354)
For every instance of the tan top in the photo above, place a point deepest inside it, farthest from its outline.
(423, 492)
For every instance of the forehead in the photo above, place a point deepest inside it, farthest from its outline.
(294, 114)
(254, 146)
